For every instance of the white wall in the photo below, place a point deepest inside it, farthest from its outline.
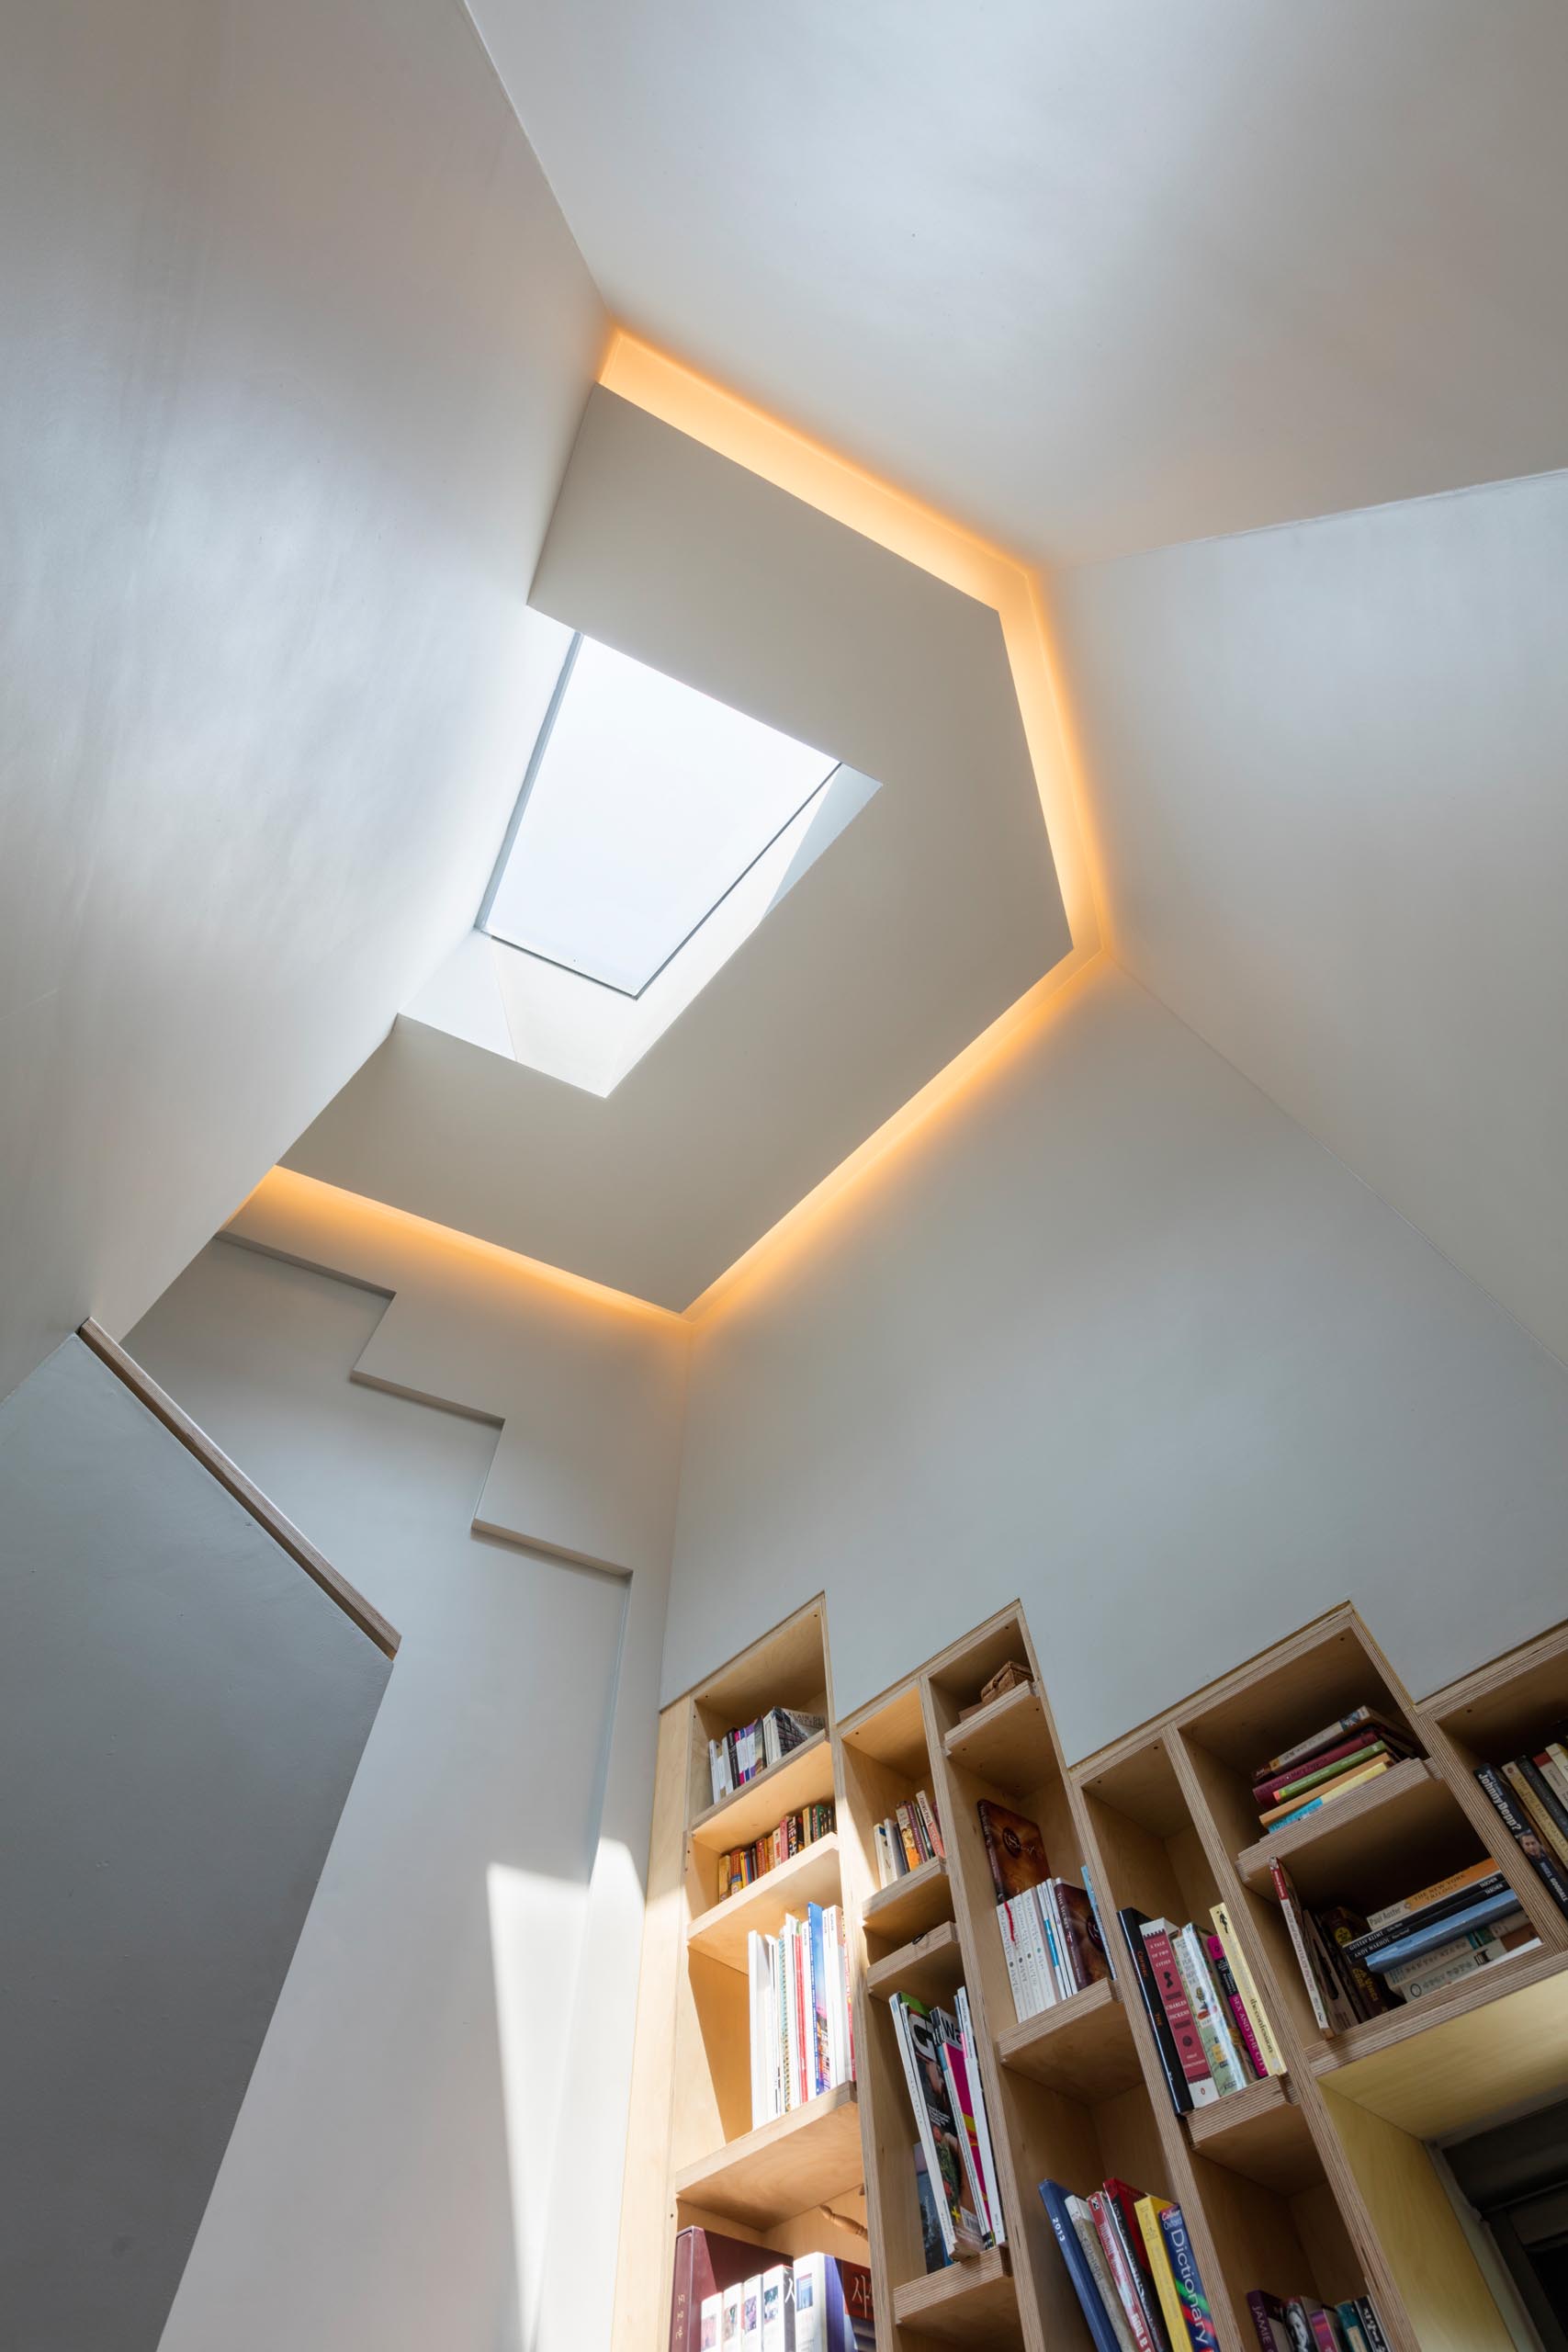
(182, 1711)
(1115, 1336)
(404, 2172)
(296, 345)
(1329, 770)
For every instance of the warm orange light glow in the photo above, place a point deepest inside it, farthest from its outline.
(986, 1056)
(293, 1207)
(792, 461)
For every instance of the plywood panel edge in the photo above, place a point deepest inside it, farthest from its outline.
(645, 2255)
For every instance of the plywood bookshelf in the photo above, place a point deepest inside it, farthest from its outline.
(1316, 2183)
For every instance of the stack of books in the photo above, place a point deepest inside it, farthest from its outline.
(1210, 2028)
(744, 1863)
(802, 2033)
(954, 2167)
(751, 1748)
(1356, 1968)
(814, 2303)
(1050, 1929)
(910, 1836)
(1319, 1770)
(1530, 1795)
(1304, 2325)
(1133, 2268)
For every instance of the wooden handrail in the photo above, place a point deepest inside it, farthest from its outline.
(233, 1481)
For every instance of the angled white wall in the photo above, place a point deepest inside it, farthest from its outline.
(297, 344)
(430, 2150)
(1115, 1336)
(1328, 765)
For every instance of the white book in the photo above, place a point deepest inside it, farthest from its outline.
(1006, 1931)
(1050, 1928)
(718, 1768)
(1454, 1971)
(756, 1981)
(1032, 1944)
(993, 2201)
(713, 2321)
(772, 1751)
(729, 2323)
(810, 2302)
(1082, 2220)
(778, 2309)
(1226, 2063)
(923, 2127)
(1475, 1940)
(751, 2316)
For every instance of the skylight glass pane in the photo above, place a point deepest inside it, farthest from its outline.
(648, 802)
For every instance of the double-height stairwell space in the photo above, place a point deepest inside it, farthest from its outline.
(783, 1295)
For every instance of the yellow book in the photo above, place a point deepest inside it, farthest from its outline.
(1247, 1986)
(1149, 2210)
(1326, 1794)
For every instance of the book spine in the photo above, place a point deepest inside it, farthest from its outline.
(682, 2289)
(1262, 2321)
(1179, 2013)
(1548, 1810)
(1088, 1878)
(1478, 1876)
(1441, 1931)
(1455, 1970)
(1302, 1783)
(1290, 1906)
(1082, 2219)
(932, 1826)
(1188, 2282)
(1330, 1795)
(1096, 2317)
(1372, 2326)
(1153, 2009)
(1519, 1829)
(1246, 1985)
(1149, 2210)
(1204, 2004)
(1031, 1945)
(1456, 1948)
(1319, 1739)
(1120, 2271)
(1219, 1969)
(1050, 1928)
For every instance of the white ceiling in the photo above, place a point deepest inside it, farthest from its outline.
(1093, 275)
(926, 916)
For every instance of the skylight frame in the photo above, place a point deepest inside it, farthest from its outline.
(531, 774)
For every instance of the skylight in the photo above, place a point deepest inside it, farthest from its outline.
(646, 803)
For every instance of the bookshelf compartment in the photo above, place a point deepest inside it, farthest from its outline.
(800, 2160)
(1414, 2019)
(967, 2303)
(802, 1777)
(811, 1876)
(911, 1907)
(788, 1667)
(929, 1969)
(1007, 1744)
(1286, 2242)
(1262, 2133)
(1083, 2047)
(1401, 1831)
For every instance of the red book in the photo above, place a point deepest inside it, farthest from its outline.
(705, 2263)
(1179, 2012)
(1119, 2264)
(1220, 1970)
(1371, 1736)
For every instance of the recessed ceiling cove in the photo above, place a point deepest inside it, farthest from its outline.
(911, 911)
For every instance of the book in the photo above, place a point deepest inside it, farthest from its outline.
(1372, 2326)
(1184, 2034)
(1132, 1922)
(926, 2079)
(1081, 2214)
(1147, 2211)
(778, 2308)
(833, 2308)
(1267, 2314)
(1501, 1933)
(1379, 1933)
(1296, 1925)
(751, 2313)
(1058, 2205)
(1123, 2206)
(933, 2245)
(1209, 2014)
(1278, 1820)
(1085, 1946)
(1358, 1720)
(729, 2318)
(1359, 1749)
(928, 1814)
(1014, 1849)
(1121, 2270)
(1526, 1780)
(1246, 1987)
(1422, 1938)
(982, 2120)
(1188, 2282)
(1229, 1993)
(1478, 1875)
(1524, 1836)
(962, 2099)
(1434, 1975)
(1351, 2328)
(1325, 2328)
(1086, 1876)
(706, 2262)
(1343, 1930)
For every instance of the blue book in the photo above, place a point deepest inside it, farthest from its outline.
(1054, 2196)
(816, 1998)
(1443, 1932)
